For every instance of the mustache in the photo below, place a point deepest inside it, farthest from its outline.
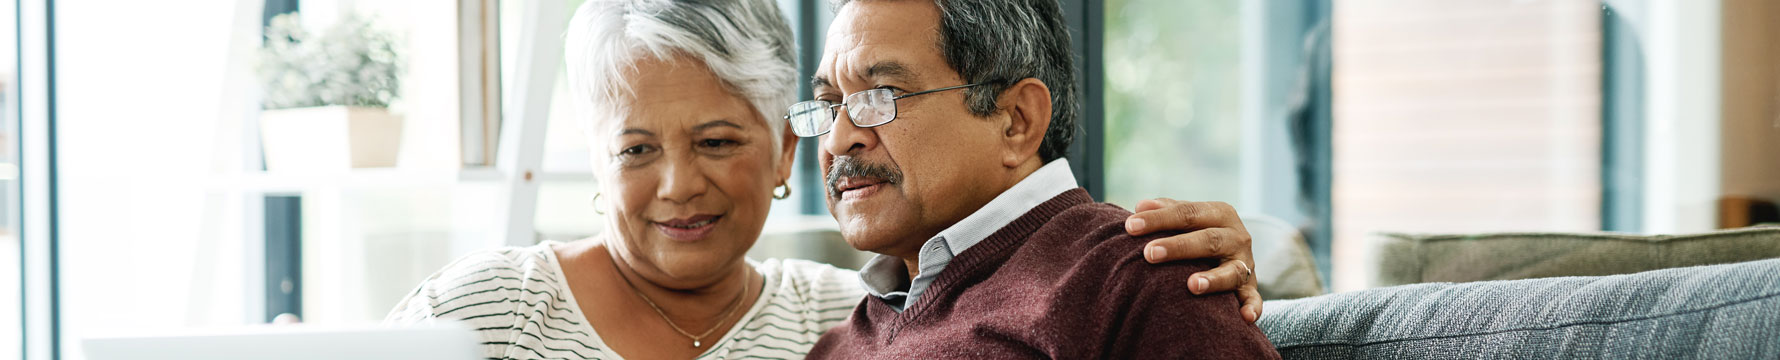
(848, 166)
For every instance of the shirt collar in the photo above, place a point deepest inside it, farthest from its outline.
(1046, 183)
(884, 276)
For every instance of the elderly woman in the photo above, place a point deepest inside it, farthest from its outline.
(683, 103)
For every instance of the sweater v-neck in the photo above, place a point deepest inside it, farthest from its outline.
(998, 246)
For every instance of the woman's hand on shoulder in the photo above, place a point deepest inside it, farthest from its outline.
(1211, 230)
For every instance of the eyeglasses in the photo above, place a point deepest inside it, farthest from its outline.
(867, 108)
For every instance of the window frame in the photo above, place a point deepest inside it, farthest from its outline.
(38, 233)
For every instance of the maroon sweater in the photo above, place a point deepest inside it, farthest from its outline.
(1064, 281)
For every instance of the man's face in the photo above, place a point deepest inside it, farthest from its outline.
(892, 187)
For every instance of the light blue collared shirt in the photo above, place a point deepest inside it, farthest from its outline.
(882, 276)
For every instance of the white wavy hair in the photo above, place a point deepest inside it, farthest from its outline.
(746, 43)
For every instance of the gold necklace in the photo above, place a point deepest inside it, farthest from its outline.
(696, 340)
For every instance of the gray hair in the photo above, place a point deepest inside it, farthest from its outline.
(745, 43)
(999, 43)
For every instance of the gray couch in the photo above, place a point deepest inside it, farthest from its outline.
(1727, 311)
(1522, 295)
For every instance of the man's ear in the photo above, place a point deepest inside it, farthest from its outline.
(787, 152)
(1028, 107)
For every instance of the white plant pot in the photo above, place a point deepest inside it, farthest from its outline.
(329, 139)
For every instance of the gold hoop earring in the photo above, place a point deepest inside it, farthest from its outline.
(596, 203)
(786, 195)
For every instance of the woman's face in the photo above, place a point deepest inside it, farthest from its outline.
(688, 170)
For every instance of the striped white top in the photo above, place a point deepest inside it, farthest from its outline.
(517, 301)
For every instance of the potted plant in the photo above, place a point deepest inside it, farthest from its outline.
(327, 98)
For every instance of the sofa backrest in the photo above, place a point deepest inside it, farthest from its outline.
(1727, 311)
(1420, 258)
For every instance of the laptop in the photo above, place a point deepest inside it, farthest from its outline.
(445, 341)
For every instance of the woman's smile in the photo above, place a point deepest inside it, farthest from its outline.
(688, 229)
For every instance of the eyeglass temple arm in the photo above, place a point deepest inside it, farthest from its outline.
(935, 90)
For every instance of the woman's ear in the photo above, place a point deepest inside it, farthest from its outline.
(787, 152)
(1028, 105)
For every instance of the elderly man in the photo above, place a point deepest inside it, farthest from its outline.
(988, 249)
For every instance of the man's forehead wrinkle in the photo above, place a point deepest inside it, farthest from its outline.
(865, 63)
(841, 49)
(891, 69)
(840, 71)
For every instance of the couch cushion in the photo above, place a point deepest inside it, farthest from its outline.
(1716, 312)
(1413, 258)
(1284, 268)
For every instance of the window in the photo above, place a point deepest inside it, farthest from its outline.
(175, 209)
(11, 288)
(1468, 117)
(144, 242)
(1220, 101)
(1173, 98)
(1351, 118)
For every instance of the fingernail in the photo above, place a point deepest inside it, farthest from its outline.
(1156, 253)
(1199, 285)
(1134, 225)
